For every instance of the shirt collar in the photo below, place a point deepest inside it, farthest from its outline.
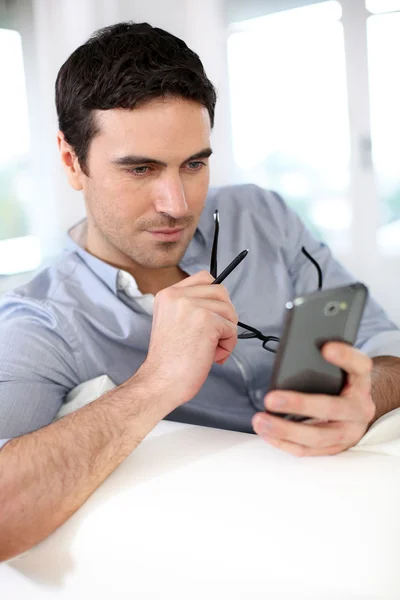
(76, 241)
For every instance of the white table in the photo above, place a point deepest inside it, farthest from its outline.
(200, 513)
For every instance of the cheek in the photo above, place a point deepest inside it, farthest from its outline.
(196, 191)
(116, 199)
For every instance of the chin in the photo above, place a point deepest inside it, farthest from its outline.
(170, 257)
(169, 253)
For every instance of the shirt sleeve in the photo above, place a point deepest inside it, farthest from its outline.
(377, 334)
(38, 366)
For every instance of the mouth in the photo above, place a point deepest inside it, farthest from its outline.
(167, 235)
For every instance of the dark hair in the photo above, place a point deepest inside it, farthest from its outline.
(124, 66)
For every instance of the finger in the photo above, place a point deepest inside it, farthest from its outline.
(206, 296)
(223, 309)
(359, 380)
(227, 332)
(219, 292)
(319, 406)
(351, 360)
(200, 278)
(211, 292)
(301, 451)
(312, 436)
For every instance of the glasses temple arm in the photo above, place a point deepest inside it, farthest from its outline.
(314, 262)
(214, 264)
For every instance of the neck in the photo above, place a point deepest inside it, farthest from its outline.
(149, 281)
(152, 281)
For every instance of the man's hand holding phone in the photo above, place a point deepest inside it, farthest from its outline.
(339, 422)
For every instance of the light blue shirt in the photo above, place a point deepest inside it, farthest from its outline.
(80, 319)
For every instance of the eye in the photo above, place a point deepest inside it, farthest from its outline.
(195, 165)
(138, 171)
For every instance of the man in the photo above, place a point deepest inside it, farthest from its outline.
(131, 296)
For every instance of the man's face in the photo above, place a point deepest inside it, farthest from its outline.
(148, 177)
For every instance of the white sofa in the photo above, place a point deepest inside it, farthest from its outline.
(200, 513)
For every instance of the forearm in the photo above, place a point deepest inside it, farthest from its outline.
(385, 384)
(47, 475)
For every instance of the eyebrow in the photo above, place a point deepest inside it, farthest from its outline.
(132, 160)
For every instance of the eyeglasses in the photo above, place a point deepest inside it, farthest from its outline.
(252, 332)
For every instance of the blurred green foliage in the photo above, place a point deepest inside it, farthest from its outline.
(392, 205)
(13, 220)
(278, 165)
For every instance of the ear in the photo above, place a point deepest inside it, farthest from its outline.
(70, 163)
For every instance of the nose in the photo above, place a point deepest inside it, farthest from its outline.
(171, 198)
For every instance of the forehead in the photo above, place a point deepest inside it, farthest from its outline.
(174, 126)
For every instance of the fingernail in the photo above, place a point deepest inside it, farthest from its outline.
(277, 401)
(263, 425)
(333, 353)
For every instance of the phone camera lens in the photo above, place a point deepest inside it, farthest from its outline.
(331, 309)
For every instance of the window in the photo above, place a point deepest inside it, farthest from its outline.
(19, 251)
(289, 112)
(382, 6)
(383, 52)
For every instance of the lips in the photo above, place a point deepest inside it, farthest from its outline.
(167, 231)
(167, 235)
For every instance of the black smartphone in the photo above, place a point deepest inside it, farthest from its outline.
(311, 321)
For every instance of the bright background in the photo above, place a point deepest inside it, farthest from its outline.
(308, 105)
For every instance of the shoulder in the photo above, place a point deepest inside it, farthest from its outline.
(249, 203)
(37, 307)
(246, 198)
(44, 285)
